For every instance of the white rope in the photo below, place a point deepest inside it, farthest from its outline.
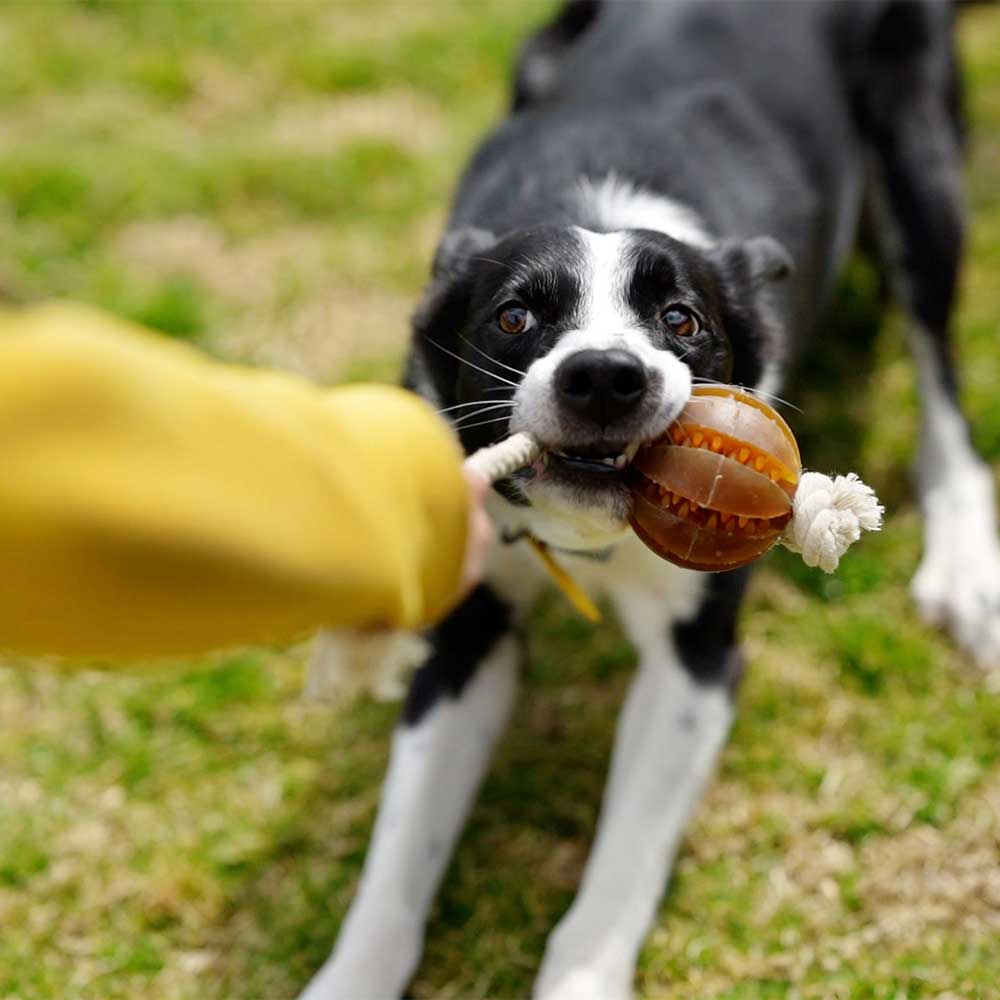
(499, 460)
(829, 516)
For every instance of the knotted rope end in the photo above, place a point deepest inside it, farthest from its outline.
(828, 516)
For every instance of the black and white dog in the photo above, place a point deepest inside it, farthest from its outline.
(671, 200)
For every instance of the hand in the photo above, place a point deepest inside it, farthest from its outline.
(480, 534)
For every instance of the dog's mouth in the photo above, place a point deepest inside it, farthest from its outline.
(603, 460)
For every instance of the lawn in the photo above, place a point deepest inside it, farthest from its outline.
(268, 180)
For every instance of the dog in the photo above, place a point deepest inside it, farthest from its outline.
(670, 201)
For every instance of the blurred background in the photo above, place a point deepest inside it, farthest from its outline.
(268, 180)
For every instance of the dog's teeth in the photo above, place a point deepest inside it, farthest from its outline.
(621, 461)
(631, 450)
(608, 461)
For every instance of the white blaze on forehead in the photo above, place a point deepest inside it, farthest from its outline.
(604, 311)
(615, 203)
(605, 321)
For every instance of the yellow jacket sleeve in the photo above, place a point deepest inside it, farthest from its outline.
(153, 501)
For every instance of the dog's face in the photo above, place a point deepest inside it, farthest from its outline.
(590, 342)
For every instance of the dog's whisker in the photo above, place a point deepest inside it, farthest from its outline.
(475, 402)
(466, 361)
(483, 423)
(489, 357)
(466, 417)
(755, 392)
(777, 399)
(478, 413)
(492, 260)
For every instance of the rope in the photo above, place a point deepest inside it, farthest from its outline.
(829, 516)
(499, 460)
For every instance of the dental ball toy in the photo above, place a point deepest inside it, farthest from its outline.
(716, 491)
(723, 485)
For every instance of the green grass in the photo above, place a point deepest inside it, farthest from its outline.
(268, 180)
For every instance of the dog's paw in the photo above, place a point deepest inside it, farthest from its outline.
(963, 596)
(374, 958)
(581, 983)
(348, 661)
(370, 978)
(958, 588)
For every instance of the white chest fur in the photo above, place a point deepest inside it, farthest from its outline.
(647, 592)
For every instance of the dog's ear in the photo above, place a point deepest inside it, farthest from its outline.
(767, 259)
(459, 247)
(746, 269)
(443, 312)
(757, 261)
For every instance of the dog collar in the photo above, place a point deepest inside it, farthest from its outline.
(561, 577)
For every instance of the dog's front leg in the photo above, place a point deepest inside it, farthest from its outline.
(458, 705)
(916, 141)
(673, 725)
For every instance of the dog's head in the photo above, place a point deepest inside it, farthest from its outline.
(590, 342)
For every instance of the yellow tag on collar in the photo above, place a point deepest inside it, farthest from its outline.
(573, 591)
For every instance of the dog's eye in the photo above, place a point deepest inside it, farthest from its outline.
(515, 318)
(680, 321)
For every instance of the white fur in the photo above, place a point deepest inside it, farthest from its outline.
(771, 379)
(348, 661)
(958, 582)
(434, 772)
(670, 732)
(615, 203)
(628, 571)
(671, 729)
(669, 736)
(605, 322)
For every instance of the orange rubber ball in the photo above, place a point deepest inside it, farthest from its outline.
(715, 492)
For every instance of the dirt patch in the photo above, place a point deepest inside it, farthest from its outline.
(322, 337)
(403, 117)
(288, 302)
(249, 273)
(927, 877)
(221, 90)
(353, 21)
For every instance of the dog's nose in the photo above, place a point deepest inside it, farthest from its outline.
(602, 386)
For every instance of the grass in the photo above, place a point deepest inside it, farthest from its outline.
(268, 180)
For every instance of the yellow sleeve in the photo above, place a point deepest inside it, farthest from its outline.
(155, 502)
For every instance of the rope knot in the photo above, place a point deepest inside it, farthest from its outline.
(828, 516)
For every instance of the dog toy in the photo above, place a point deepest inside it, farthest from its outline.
(716, 491)
(723, 485)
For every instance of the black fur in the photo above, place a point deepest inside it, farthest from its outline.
(765, 120)
(459, 644)
(707, 644)
(762, 117)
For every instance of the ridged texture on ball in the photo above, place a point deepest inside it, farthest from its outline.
(715, 492)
